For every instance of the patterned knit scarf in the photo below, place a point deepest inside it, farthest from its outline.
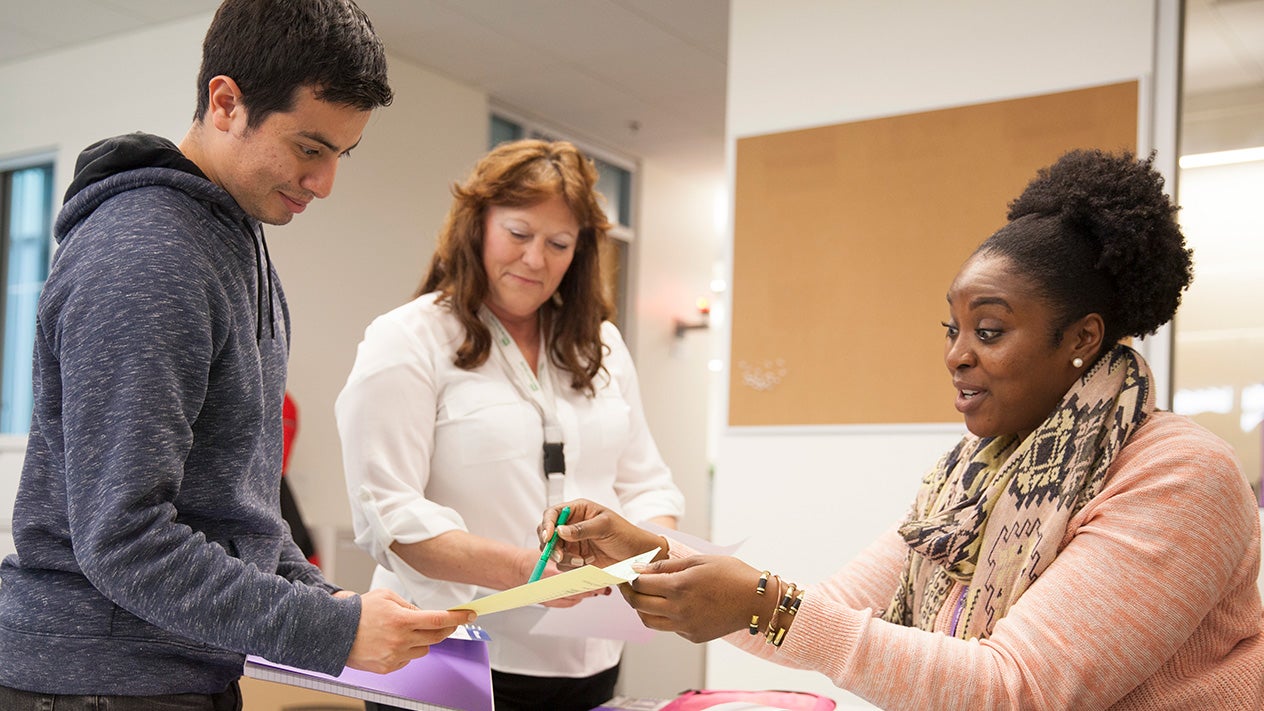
(992, 513)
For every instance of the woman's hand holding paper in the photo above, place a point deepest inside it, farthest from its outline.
(699, 598)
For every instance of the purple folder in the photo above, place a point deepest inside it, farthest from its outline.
(454, 675)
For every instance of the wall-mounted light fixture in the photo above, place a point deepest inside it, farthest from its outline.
(701, 320)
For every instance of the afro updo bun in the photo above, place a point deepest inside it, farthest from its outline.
(1115, 205)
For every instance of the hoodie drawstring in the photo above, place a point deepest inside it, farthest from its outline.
(268, 271)
(263, 270)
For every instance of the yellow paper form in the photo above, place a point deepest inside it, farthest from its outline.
(573, 582)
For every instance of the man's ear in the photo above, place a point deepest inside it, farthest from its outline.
(225, 107)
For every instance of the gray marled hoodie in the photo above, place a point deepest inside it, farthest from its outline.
(151, 554)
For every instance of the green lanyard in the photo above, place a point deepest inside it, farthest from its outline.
(538, 392)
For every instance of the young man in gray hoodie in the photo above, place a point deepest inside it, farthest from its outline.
(151, 553)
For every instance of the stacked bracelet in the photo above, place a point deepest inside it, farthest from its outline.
(787, 599)
(794, 606)
(760, 588)
(771, 632)
(788, 602)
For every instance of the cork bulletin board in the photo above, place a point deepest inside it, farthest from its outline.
(846, 238)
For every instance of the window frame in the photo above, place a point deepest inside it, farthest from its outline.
(46, 160)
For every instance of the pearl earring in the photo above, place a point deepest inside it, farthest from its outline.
(1077, 362)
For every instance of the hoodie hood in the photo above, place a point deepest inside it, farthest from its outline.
(138, 160)
(122, 153)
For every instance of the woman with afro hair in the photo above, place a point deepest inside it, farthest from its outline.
(1077, 549)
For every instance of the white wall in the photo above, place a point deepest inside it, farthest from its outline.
(11, 454)
(677, 244)
(802, 63)
(66, 100)
(362, 252)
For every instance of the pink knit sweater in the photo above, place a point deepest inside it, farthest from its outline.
(1151, 604)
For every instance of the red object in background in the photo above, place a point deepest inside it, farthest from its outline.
(289, 426)
(289, 507)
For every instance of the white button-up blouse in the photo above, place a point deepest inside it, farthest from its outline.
(430, 448)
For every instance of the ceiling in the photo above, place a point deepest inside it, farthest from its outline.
(638, 78)
(641, 78)
(1224, 45)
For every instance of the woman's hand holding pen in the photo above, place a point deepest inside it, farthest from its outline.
(595, 535)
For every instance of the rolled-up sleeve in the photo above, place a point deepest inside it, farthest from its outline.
(386, 419)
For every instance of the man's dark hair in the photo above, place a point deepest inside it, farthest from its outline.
(271, 48)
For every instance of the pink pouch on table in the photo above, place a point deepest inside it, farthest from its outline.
(695, 699)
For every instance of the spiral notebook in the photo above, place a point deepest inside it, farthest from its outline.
(454, 676)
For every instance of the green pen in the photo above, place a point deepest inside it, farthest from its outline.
(548, 547)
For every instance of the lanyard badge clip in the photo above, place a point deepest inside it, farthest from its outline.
(554, 460)
(554, 471)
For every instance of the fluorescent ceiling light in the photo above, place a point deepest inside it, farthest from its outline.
(1203, 160)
